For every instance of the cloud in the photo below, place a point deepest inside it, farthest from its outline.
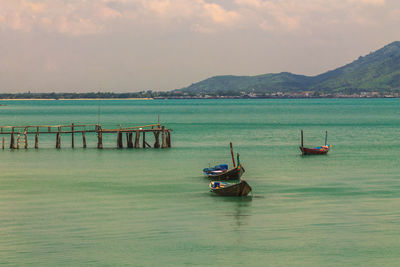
(99, 16)
(369, 2)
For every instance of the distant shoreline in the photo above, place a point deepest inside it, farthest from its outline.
(183, 98)
(64, 99)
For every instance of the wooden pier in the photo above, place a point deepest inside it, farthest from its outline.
(18, 135)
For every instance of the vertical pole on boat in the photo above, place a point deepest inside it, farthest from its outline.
(301, 138)
(326, 137)
(233, 156)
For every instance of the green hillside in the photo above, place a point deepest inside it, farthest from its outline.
(378, 71)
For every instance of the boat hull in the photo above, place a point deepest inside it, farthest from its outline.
(313, 151)
(232, 174)
(234, 190)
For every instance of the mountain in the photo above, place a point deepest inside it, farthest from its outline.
(378, 71)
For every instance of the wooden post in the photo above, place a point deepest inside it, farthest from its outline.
(2, 142)
(302, 138)
(137, 139)
(99, 137)
(119, 140)
(233, 156)
(18, 140)
(49, 129)
(72, 135)
(83, 139)
(144, 140)
(37, 138)
(58, 138)
(326, 137)
(12, 141)
(156, 137)
(168, 138)
(129, 142)
(163, 138)
(26, 138)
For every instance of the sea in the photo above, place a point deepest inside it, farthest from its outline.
(153, 207)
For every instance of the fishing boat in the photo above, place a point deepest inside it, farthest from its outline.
(230, 189)
(222, 173)
(321, 150)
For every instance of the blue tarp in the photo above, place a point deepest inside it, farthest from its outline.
(216, 168)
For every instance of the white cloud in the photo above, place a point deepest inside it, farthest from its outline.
(97, 16)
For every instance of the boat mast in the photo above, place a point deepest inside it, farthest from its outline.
(302, 138)
(326, 137)
(233, 156)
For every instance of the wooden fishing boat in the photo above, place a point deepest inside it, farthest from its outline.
(321, 150)
(226, 175)
(230, 189)
(222, 173)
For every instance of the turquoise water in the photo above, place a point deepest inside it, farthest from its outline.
(146, 207)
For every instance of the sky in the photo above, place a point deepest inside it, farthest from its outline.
(136, 45)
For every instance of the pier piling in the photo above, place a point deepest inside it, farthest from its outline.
(119, 140)
(58, 138)
(26, 138)
(129, 140)
(12, 140)
(137, 136)
(72, 136)
(37, 138)
(83, 139)
(99, 137)
(163, 138)
(157, 140)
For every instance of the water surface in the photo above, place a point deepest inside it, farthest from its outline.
(152, 207)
